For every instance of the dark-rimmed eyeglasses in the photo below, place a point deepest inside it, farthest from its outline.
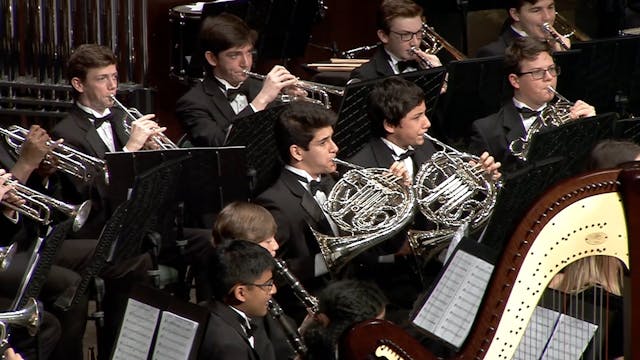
(406, 35)
(264, 286)
(553, 70)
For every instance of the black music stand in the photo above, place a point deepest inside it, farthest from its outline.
(628, 129)
(161, 334)
(352, 130)
(256, 133)
(611, 73)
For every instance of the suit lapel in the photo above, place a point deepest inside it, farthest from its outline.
(513, 126)
(381, 153)
(383, 68)
(219, 99)
(231, 318)
(90, 134)
(315, 216)
(117, 124)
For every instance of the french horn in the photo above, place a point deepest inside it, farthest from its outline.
(370, 205)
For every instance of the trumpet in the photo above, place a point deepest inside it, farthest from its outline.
(432, 42)
(69, 160)
(38, 206)
(28, 317)
(319, 92)
(134, 114)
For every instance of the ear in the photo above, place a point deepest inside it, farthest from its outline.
(514, 80)
(240, 293)
(296, 152)
(384, 37)
(388, 127)
(77, 84)
(513, 12)
(211, 58)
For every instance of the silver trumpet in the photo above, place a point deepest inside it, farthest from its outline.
(134, 114)
(28, 317)
(38, 206)
(67, 159)
(318, 93)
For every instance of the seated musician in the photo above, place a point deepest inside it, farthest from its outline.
(341, 304)
(399, 25)
(525, 19)
(304, 140)
(531, 70)
(242, 282)
(227, 92)
(252, 222)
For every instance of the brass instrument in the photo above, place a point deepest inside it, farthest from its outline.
(134, 114)
(67, 159)
(6, 254)
(560, 39)
(432, 43)
(371, 205)
(319, 93)
(28, 317)
(553, 115)
(38, 206)
(566, 29)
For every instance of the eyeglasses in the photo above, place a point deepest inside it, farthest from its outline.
(264, 286)
(407, 36)
(553, 70)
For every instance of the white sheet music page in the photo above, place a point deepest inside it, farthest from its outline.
(175, 337)
(136, 331)
(452, 306)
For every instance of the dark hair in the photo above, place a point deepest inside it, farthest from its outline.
(345, 302)
(236, 262)
(86, 57)
(298, 124)
(391, 9)
(391, 100)
(523, 48)
(243, 220)
(224, 31)
(611, 153)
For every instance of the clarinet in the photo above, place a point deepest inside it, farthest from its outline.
(309, 301)
(293, 337)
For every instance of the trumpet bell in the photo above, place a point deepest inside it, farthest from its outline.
(28, 317)
(80, 214)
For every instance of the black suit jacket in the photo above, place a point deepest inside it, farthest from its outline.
(205, 113)
(495, 132)
(378, 66)
(225, 338)
(79, 133)
(498, 46)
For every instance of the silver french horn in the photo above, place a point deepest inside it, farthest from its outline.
(371, 205)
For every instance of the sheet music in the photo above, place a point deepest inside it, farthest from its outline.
(552, 335)
(175, 337)
(452, 306)
(136, 331)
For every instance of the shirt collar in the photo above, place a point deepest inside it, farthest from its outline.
(519, 104)
(92, 112)
(519, 32)
(300, 172)
(226, 84)
(394, 59)
(397, 150)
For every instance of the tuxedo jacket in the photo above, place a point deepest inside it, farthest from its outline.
(377, 67)
(79, 133)
(498, 46)
(495, 132)
(205, 113)
(226, 339)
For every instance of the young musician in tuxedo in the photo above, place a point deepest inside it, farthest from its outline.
(400, 29)
(525, 19)
(227, 92)
(242, 281)
(530, 70)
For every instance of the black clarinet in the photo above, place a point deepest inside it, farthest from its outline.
(293, 337)
(309, 301)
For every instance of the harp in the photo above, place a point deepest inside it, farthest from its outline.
(597, 213)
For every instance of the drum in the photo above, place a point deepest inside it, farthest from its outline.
(186, 58)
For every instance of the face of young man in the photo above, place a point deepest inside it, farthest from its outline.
(318, 159)
(411, 129)
(257, 295)
(270, 244)
(402, 27)
(97, 87)
(530, 17)
(231, 63)
(534, 92)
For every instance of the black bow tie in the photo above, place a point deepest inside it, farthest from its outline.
(528, 113)
(248, 325)
(242, 90)
(314, 185)
(97, 122)
(406, 154)
(403, 65)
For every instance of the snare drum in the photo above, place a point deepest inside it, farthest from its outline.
(186, 60)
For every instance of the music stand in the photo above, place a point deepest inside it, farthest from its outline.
(611, 73)
(628, 129)
(256, 133)
(352, 130)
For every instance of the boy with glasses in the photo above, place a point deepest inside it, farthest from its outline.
(399, 30)
(531, 71)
